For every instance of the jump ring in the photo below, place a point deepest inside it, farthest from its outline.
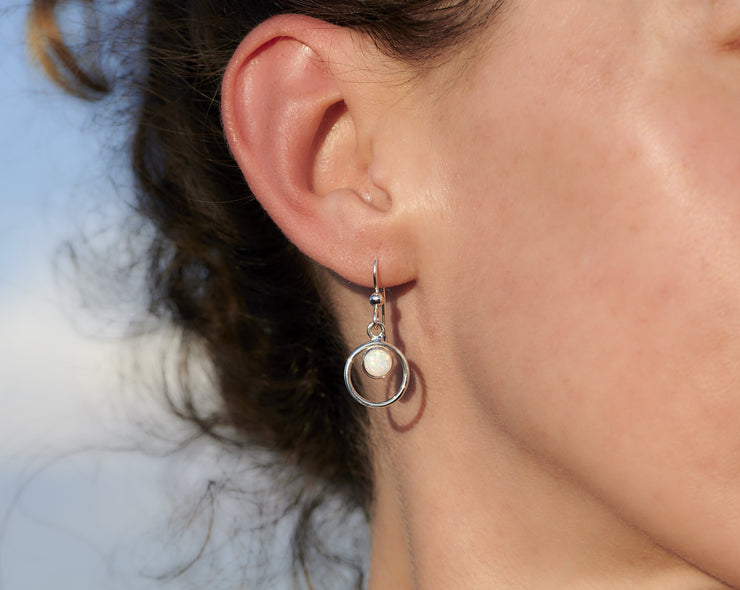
(372, 335)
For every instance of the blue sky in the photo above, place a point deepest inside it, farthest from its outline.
(69, 518)
(44, 177)
(75, 514)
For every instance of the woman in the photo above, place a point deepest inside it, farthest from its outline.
(550, 192)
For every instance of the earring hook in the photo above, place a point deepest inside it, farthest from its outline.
(377, 298)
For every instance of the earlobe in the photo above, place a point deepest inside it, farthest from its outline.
(293, 132)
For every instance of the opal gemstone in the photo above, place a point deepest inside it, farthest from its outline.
(377, 362)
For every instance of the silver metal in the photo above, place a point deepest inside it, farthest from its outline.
(404, 374)
(376, 333)
(381, 331)
(376, 299)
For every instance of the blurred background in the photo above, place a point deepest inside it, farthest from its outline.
(95, 493)
(82, 506)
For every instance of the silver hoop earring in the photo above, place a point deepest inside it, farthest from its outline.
(377, 355)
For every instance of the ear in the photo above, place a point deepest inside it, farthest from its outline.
(299, 102)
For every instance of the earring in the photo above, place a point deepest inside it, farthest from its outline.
(377, 354)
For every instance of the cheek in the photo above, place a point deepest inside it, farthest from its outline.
(603, 274)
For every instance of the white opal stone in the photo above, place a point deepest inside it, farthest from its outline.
(377, 362)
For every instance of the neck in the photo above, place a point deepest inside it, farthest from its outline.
(460, 505)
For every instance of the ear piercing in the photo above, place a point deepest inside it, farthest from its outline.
(377, 356)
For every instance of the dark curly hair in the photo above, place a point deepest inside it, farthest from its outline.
(218, 268)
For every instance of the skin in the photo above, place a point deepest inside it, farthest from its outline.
(558, 209)
(581, 296)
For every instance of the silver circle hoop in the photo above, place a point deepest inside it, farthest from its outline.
(404, 373)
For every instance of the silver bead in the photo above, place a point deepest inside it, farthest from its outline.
(376, 298)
